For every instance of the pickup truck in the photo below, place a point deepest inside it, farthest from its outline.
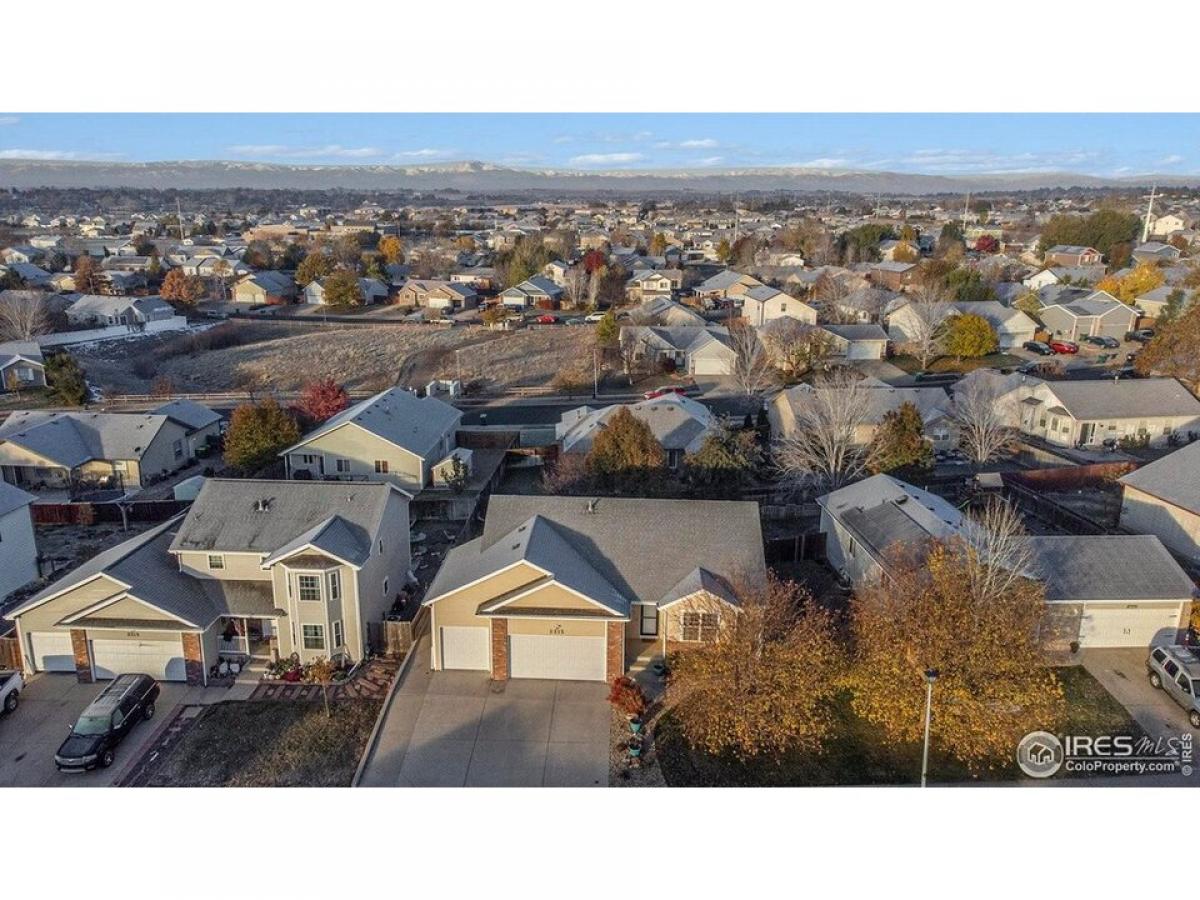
(11, 685)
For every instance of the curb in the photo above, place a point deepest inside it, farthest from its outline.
(120, 780)
(387, 702)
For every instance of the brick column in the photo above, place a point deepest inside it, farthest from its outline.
(500, 649)
(83, 658)
(614, 649)
(193, 660)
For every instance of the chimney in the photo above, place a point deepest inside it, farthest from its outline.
(262, 505)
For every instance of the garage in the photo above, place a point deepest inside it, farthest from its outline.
(465, 647)
(702, 365)
(1128, 626)
(51, 651)
(556, 657)
(162, 660)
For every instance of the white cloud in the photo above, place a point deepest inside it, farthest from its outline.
(603, 159)
(425, 153)
(329, 150)
(65, 155)
(1173, 159)
(698, 143)
(824, 162)
(952, 160)
(709, 160)
(9, 120)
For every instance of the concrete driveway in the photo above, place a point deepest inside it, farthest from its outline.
(452, 729)
(1123, 674)
(50, 704)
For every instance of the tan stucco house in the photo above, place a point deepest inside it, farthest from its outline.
(394, 436)
(582, 589)
(254, 570)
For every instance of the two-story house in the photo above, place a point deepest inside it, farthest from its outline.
(1070, 255)
(255, 569)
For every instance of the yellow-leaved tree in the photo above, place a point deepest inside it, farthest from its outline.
(1145, 277)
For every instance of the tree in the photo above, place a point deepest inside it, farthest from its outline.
(900, 441)
(1174, 350)
(724, 463)
(23, 315)
(257, 433)
(180, 288)
(315, 266)
(969, 335)
(593, 260)
(1145, 277)
(724, 250)
(322, 399)
(986, 243)
(950, 238)
(342, 289)
(320, 671)
(66, 381)
(751, 364)
(984, 417)
(762, 685)
(575, 285)
(392, 249)
(1030, 304)
(625, 451)
(1172, 308)
(905, 253)
(1108, 230)
(658, 244)
(967, 612)
(87, 276)
(823, 447)
(969, 285)
(607, 330)
(796, 348)
(925, 323)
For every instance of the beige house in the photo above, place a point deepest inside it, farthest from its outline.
(21, 366)
(582, 589)
(761, 305)
(255, 570)
(1163, 498)
(394, 437)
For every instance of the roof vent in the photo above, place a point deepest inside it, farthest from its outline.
(903, 498)
(262, 505)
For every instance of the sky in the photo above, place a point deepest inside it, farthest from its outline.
(1111, 145)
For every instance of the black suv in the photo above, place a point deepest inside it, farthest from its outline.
(106, 722)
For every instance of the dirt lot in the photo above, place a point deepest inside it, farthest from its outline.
(284, 356)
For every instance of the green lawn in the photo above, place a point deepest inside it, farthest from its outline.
(911, 365)
(269, 744)
(856, 756)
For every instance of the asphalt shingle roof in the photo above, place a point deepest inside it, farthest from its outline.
(1075, 568)
(1174, 478)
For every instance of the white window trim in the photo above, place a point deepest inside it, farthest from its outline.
(304, 640)
(335, 585)
(316, 576)
(699, 639)
(220, 565)
(339, 636)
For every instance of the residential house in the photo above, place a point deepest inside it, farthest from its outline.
(1098, 314)
(1012, 327)
(1088, 413)
(1163, 498)
(1166, 225)
(478, 278)
(648, 284)
(21, 366)
(98, 311)
(202, 426)
(431, 294)
(18, 543)
(31, 275)
(372, 289)
(537, 292)
(1154, 251)
(394, 436)
(726, 285)
(266, 287)
(255, 569)
(663, 311)
(679, 424)
(764, 304)
(1071, 255)
(906, 249)
(893, 276)
(1152, 303)
(1041, 279)
(857, 341)
(580, 588)
(60, 450)
(556, 271)
(694, 349)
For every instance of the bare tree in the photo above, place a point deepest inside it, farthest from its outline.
(595, 282)
(999, 550)
(751, 362)
(23, 315)
(795, 347)
(824, 446)
(831, 291)
(928, 310)
(985, 417)
(576, 285)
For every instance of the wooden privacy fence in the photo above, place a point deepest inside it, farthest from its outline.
(1070, 478)
(93, 513)
(10, 652)
(393, 638)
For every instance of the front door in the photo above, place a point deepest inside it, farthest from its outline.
(648, 623)
(1085, 432)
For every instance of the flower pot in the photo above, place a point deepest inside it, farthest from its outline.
(635, 750)
(635, 725)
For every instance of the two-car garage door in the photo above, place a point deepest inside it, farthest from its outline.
(162, 660)
(556, 656)
(1128, 626)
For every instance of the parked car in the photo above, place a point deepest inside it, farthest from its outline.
(1099, 340)
(1176, 670)
(1141, 336)
(575, 321)
(106, 722)
(11, 685)
(546, 319)
(1064, 346)
(663, 391)
(936, 377)
(1125, 372)
(593, 318)
(1039, 347)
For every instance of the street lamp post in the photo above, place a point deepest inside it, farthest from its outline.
(930, 677)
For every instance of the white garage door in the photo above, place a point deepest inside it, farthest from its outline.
(465, 647)
(709, 366)
(162, 660)
(1120, 626)
(52, 651)
(556, 656)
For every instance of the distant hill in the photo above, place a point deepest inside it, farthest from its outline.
(479, 177)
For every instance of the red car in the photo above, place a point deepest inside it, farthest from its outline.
(547, 319)
(663, 391)
(1064, 346)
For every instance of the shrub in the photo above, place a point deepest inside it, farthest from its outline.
(626, 695)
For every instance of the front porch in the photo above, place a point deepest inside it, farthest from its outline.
(246, 645)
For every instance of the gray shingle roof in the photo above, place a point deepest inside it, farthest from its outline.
(1174, 478)
(884, 512)
(73, 438)
(188, 413)
(1126, 399)
(1108, 567)
(12, 498)
(398, 416)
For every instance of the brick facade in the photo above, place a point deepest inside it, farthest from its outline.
(500, 649)
(83, 656)
(193, 660)
(614, 649)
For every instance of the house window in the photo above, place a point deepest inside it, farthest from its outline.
(177, 449)
(381, 466)
(308, 459)
(338, 640)
(335, 585)
(342, 466)
(851, 547)
(700, 626)
(216, 561)
(310, 587)
(649, 623)
(314, 637)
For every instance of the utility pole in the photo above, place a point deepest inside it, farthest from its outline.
(179, 217)
(1149, 214)
(596, 372)
(930, 677)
